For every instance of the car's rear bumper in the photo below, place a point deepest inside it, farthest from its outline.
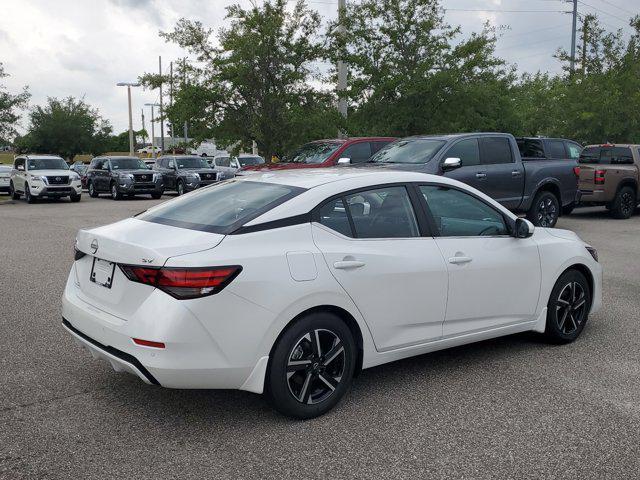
(192, 357)
(596, 197)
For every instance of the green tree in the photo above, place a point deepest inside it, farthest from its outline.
(410, 74)
(258, 84)
(65, 127)
(9, 105)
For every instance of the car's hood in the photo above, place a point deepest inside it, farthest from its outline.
(203, 171)
(131, 240)
(136, 171)
(51, 173)
(561, 233)
(281, 166)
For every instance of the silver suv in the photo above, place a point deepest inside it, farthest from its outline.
(40, 176)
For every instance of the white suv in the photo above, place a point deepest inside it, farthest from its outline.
(39, 176)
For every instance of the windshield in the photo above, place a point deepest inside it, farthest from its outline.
(245, 161)
(223, 161)
(316, 152)
(408, 150)
(128, 164)
(191, 162)
(221, 208)
(47, 164)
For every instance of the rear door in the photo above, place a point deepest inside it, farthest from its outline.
(376, 247)
(504, 177)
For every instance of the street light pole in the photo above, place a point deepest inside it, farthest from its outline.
(573, 35)
(153, 131)
(129, 85)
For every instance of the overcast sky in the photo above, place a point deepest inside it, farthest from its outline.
(84, 47)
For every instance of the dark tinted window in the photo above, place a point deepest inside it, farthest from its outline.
(531, 148)
(458, 214)
(358, 152)
(590, 155)
(382, 213)
(556, 149)
(573, 150)
(127, 163)
(495, 150)
(467, 151)
(375, 146)
(96, 163)
(221, 208)
(616, 155)
(334, 215)
(47, 164)
(19, 162)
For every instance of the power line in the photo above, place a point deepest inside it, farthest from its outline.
(619, 8)
(532, 31)
(602, 11)
(502, 11)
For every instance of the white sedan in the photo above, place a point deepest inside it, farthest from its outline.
(290, 283)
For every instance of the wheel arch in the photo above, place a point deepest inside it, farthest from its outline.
(552, 187)
(586, 271)
(627, 182)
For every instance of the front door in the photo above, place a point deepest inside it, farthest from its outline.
(494, 279)
(396, 277)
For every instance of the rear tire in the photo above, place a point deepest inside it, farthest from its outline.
(624, 203)
(93, 193)
(13, 193)
(568, 307)
(544, 210)
(311, 367)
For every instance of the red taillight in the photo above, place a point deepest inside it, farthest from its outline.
(576, 171)
(599, 177)
(148, 343)
(184, 283)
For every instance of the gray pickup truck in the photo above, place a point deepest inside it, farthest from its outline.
(491, 162)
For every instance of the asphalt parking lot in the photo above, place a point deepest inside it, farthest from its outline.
(508, 408)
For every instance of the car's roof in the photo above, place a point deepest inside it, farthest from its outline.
(605, 145)
(40, 156)
(352, 139)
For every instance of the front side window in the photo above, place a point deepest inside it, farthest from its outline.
(382, 213)
(556, 149)
(467, 151)
(47, 164)
(221, 208)
(408, 150)
(357, 153)
(458, 214)
(495, 150)
(127, 163)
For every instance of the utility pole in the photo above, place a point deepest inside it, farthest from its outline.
(573, 35)
(585, 28)
(173, 142)
(153, 133)
(129, 85)
(184, 81)
(342, 67)
(144, 129)
(161, 110)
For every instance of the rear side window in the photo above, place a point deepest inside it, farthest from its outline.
(333, 215)
(573, 150)
(556, 149)
(221, 208)
(358, 152)
(467, 151)
(531, 148)
(19, 163)
(495, 150)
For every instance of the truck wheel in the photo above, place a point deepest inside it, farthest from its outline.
(13, 193)
(115, 193)
(93, 193)
(624, 204)
(75, 198)
(27, 194)
(180, 187)
(157, 195)
(545, 210)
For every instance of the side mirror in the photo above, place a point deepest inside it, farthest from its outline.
(451, 163)
(524, 228)
(344, 161)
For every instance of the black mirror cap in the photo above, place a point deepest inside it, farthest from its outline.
(522, 229)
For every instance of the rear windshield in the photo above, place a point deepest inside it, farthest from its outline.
(47, 164)
(606, 155)
(221, 208)
(128, 164)
(316, 152)
(408, 150)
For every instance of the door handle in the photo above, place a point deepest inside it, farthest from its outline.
(481, 175)
(458, 260)
(347, 264)
(516, 173)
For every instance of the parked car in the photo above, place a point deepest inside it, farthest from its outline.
(5, 178)
(81, 169)
(121, 176)
(272, 283)
(247, 160)
(147, 149)
(204, 149)
(491, 163)
(43, 176)
(327, 153)
(609, 176)
(226, 164)
(184, 173)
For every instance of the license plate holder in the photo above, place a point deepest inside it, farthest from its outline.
(102, 272)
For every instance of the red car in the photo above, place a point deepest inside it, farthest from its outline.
(327, 153)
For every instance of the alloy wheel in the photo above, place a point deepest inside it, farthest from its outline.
(547, 212)
(114, 191)
(627, 203)
(180, 188)
(571, 306)
(315, 366)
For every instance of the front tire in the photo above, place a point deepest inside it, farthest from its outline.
(13, 193)
(115, 193)
(568, 307)
(311, 367)
(545, 210)
(27, 194)
(624, 204)
(156, 196)
(93, 193)
(75, 198)
(180, 188)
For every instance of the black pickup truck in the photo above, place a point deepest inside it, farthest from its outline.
(491, 162)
